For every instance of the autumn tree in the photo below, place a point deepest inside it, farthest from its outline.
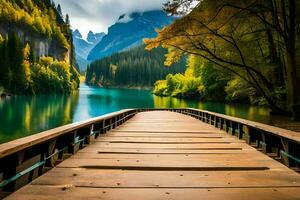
(253, 39)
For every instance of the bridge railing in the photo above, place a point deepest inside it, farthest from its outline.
(278, 143)
(24, 159)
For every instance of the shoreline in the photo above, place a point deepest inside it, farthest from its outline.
(123, 87)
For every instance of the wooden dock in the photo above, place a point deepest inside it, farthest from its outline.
(165, 155)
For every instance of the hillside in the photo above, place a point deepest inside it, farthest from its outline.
(136, 67)
(36, 50)
(129, 31)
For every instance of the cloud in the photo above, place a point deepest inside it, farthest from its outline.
(98, 15)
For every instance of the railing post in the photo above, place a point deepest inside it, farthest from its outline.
(88, 135)
(104, 126)
(239, 131)
(225, 126)
(219, 123)
(50, 150)
(216, 121)
(285, 152)
(10, 169)
(246, 130)
(230, 127)
(267, 142)
(73, 145)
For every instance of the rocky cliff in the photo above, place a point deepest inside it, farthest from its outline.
(40, 44)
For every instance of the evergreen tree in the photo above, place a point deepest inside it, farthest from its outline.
(4, 66)
(67, 20)
(59, 10)
(136, 67)
(15, 56)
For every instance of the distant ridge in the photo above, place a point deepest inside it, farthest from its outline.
(129, 31)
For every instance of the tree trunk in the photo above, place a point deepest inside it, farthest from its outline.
(291, 68)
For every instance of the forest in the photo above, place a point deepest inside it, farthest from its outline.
(242, 51)
(135, 67)
(21, 70)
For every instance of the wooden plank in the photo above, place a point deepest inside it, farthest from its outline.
(171, 164)
(166, 140)
(166, 135)
(229, 156)
(161, 130)
(78, 193)
(167, 179)
(166, 151)
(101, 145)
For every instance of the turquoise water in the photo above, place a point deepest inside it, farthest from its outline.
(21, 116)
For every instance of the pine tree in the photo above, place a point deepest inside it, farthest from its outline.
(136, 67)
(67, 20)
(4, 68)
(15, 56)
(59, 10)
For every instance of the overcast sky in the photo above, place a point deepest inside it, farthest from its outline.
(98, 15)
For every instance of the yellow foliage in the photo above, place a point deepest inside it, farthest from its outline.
(1, 38)
(196, 33)
(42, 21)
(46, 61)
(26, 64)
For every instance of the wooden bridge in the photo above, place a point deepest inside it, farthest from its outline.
(144, 154)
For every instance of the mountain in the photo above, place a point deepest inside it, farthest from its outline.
(94, 38)
(129, 31)
(83, 47)
(135, 67)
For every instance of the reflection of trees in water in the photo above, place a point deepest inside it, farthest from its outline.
(255, 113)
(170, 102)
(25, 115)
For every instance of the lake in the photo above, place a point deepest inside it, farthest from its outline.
(21, 116)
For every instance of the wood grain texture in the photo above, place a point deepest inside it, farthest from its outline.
(166, 155)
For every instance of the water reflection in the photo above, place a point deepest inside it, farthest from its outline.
(24, 115)
(255, 113)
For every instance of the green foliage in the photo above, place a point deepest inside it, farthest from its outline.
(257, 42)
(50, 75)
(238, 90)
(11, 65)
(20, 73)
(41, 16)
(136, 67)
(199, 80)
(214, 80)
(207, 82)
(178, 85)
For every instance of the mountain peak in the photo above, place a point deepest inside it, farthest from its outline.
(125, 18)
(91, 37)
(94, 37)
(77, 34)
(121, 16)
